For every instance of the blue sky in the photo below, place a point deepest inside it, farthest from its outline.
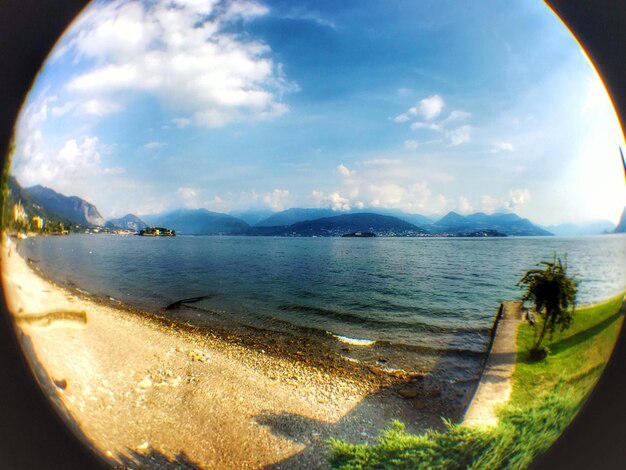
(425, 106)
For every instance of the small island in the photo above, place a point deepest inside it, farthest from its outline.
(157, 232)
(359, 234)
(482, 233)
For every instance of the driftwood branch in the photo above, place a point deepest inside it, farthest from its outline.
(48, 318)
(178, 303)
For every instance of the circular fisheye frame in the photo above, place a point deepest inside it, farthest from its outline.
(250, 233)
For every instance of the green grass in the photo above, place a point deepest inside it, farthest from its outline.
(521, 434)
(546, 397)
(577, 357)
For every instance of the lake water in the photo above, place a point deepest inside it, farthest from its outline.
(436, 294)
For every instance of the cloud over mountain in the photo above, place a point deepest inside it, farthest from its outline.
(182, 52)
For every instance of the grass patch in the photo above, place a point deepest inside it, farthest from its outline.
(577, 358)
(546, 397)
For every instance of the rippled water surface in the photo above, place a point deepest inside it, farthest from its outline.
(429, 292)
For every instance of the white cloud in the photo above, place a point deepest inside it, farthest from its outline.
(335, 200)
(596, 100)
(464, 206)
(388, 182)
(459, 136)
(379, 192)
(517, 197)
(514, 199)
(79, 155)
(189, 197)
(181, 122)
(497, 147)
(387, 194)
(63, 109)
(402, 118)
(73, 166)
(382, 162)
(29, 153)
(489, 204)
(338, 202)
(413, 197)
(456, 115)
(88, 107)
(216, 204)
(187, 193)
(104, 79)
(76, 158)
(425, 125)
(244, 9)
(429, 108)
(98, 107)
(277, 199)
(181, 53)
(114, 171)
(153, 145)
(344, 170)
(439, 204)
(411, 144)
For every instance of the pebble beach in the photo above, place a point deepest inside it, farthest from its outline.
(147, 391)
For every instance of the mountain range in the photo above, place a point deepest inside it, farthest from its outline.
(574, 230)
(252, 216)
(338, 225)
(508, 224)
(295, 215)
(39, 200)
(199, 222)
(71, 208)
(55, 207)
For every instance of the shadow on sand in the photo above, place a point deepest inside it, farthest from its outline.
(154, 459)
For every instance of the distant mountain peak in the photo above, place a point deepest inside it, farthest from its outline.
(128, 222)
(621, 226)
(451, 217)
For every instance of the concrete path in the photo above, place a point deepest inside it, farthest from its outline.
(494, 388)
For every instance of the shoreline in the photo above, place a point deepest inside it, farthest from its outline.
(123, 373)
(281, 343)
(318, 347)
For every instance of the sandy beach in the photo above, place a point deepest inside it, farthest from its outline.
(149, 392)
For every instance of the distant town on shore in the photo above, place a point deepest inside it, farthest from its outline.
(43, 210)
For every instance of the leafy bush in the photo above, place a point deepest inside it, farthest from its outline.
(553, 293)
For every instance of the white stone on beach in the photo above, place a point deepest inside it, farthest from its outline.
(145, 383)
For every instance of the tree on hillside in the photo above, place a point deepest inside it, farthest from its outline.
(5, 209)
(553, 294)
